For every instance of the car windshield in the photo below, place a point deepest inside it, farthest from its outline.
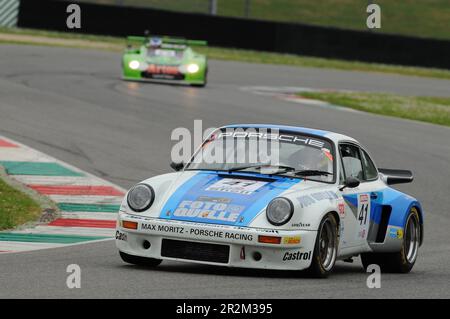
(267, 152)
(165, 53)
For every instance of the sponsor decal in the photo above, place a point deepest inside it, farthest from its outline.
(294, 139)
(162, 69)
(324, 195)
(220, 234)
(363, 199)
(121, 236)
(327, 153)
(210, 233)
(301, 225)
(165, 53)
(238, 186)
(305, 201)
(163, 228)
(214, 199)
(292, 240)
(298, 255)
(341, 209)
(208, 210)
(363, 216)
(188, 202)
(396, 233)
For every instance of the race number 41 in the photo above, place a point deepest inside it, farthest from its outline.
(363, 216)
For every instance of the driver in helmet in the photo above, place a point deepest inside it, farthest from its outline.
(155, 42)
(312, 159)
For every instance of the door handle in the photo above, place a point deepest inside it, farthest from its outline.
(373, 195)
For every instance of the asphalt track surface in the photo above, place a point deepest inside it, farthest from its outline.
(71, 104)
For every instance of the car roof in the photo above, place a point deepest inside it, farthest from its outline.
(336, 137)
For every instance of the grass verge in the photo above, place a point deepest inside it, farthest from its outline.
(434, 110)
(38, 37)
(16, 208)
(425, 18)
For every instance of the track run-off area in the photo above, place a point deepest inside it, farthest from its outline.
(72, 105)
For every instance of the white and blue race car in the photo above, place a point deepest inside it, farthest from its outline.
(316, 198)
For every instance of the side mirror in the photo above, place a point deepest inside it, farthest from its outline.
(177, 166)
(350, 182)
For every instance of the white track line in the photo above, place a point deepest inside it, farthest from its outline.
(88, 215)
(58, 180)
(87, 199)
(78, 231)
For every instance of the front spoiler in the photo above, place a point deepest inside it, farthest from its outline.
(169, 81)
(293, 253)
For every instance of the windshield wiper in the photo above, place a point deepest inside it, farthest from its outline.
(240, 168)
(311, 172)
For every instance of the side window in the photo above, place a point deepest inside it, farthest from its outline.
(369, 167)
(352, 161)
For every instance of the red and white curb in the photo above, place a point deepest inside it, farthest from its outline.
(88, 204)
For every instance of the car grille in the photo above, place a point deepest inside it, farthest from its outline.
(195, 251)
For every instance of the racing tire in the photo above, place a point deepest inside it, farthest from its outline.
(141, 261)
(325, 248)
(404, 260)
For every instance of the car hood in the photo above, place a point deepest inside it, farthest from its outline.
(224, 198)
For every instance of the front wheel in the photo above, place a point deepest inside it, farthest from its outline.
(325, 249)
(404, 260)
(141, 261)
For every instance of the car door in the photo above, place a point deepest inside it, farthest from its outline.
(375, 187)
(357, 201)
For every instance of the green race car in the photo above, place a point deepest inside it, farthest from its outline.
(164, 59)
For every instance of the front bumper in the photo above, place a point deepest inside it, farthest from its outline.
(242, 244)
(163, 80)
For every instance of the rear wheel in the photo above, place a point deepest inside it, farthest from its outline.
(404, 260)
(141, 261)
(325, 249)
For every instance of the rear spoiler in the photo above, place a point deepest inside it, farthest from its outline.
(184, 41)
(396, 176)
(168, 40)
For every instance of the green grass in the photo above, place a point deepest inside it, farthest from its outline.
(423, 18)
(16, 208)
(434, 110)
(117, 44)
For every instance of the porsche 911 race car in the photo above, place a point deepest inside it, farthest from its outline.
(319, 199)
(165, 59)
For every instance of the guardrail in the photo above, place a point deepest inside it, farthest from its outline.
(241, 33)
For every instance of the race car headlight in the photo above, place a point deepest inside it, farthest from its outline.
(193, 68)
(134, 65)
(140, 197)
(279, 211)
